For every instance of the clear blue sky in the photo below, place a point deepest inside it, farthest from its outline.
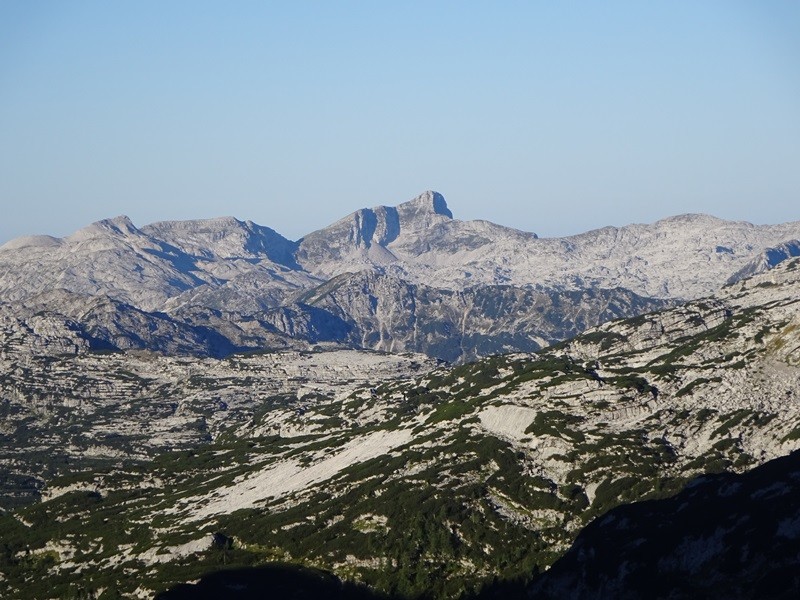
(553, 117)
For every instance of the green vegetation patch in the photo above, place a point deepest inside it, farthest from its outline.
(557, 424)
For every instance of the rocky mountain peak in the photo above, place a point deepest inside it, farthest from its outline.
(116, 226)
(428, 202)
(120, 223)
(367, 236)
(31, 241)
(225, 238)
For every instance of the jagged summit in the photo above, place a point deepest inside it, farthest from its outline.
(426, 202)
(419, 233)
(371, 236)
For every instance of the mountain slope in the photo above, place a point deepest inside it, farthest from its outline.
(385, 312)
(115, 259)
(441, 482)
(225, 238)
(766, 260)
(725, 536)
(421, 232)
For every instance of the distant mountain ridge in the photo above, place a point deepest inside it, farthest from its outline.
(234, 284)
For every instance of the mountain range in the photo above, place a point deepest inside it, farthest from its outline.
(132, 464)
(405, 278)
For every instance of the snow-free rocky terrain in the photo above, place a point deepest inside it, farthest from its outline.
(726, 536)
(412, 477)
(409, 278)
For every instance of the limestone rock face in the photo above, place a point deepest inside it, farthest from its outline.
(405, 277)
(766, 260)
(385, 312)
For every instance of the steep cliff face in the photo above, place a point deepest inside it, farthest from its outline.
(385, 312)
(370, 237)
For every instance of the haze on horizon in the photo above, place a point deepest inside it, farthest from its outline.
(554, 119)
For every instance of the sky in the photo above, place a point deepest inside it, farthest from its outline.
(551, 117)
